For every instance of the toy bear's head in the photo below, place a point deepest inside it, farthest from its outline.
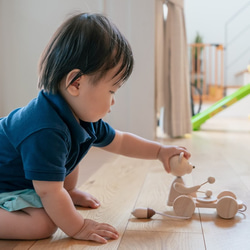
(180, 166)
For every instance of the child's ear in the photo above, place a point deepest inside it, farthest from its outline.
(73, 87)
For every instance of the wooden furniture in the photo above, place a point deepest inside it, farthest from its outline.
(124, 184)
(207, 71)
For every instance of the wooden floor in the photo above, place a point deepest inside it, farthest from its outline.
(220, 149)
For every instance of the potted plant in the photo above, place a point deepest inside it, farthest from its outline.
(197, 52)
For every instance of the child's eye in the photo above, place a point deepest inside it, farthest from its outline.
(112, 92)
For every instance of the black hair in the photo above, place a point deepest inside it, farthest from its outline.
(88, 42)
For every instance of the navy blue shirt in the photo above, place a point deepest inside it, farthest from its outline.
(44, 141)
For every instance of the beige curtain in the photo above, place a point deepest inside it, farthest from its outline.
(172, 73)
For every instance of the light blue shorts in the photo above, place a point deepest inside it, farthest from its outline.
(17, 200)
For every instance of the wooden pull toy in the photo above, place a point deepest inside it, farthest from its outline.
(147, 213)
(184, 199)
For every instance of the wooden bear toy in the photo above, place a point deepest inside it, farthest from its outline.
(184, 199)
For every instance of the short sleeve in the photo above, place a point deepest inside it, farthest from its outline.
(44, 155)
(104, 133)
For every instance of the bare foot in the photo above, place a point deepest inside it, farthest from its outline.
(83, 199)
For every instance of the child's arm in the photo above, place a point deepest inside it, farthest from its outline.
(60, 208)
(134, 146)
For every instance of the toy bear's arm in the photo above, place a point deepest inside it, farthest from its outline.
(182, 189)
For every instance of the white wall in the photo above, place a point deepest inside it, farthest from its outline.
(27, 25)
(135, 105)
(209, 19)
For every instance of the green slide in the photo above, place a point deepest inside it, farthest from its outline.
(225, 102)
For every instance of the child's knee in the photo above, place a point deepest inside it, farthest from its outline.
(46, 229)
(42, 225)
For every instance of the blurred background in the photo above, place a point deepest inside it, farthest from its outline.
(27, 25)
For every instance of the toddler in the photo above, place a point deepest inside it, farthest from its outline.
(83, 66)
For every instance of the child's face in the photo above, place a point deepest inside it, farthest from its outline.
(95, 100)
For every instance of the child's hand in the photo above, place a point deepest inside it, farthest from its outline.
(166, 152)
(98, 232)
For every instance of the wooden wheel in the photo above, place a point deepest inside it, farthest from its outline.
(184, 206)
(227, 207)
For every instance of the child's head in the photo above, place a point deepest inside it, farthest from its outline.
(88, 42)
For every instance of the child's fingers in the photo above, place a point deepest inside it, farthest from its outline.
(97, 238)
(108, 231)
(167, 168)
(107, 234)
(102, 235)
(185, 151)
(98, 232)
(187, 155)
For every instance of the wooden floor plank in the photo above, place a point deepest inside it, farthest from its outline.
(15, 244)
(139, 240)
(225, 234)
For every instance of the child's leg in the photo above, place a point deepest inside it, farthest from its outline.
(26, 224)
(78, 197)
